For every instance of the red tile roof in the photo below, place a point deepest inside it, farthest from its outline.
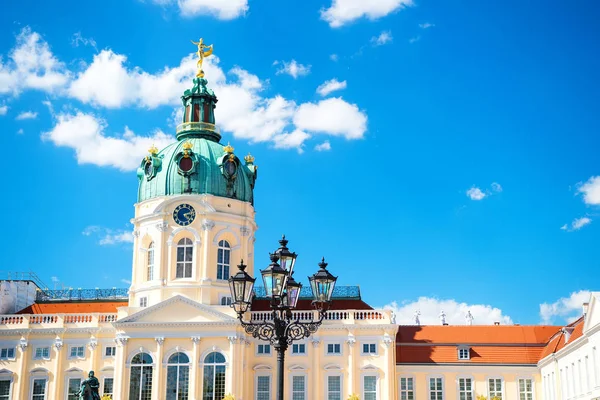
(559, 340)
(71, 307)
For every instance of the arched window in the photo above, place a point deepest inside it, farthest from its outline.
(214, 377)
(223, 255)
(150, 274)
(178, 377)
(140, 377)
(185, 250)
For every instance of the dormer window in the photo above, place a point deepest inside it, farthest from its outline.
(464, 353)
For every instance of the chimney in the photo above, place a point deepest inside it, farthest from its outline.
(496, 323)
(585, 308)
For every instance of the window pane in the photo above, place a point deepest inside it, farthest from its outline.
(73, 389)
(263, 388)
(108, 386)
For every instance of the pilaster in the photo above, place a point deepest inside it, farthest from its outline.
(194, 369)
(316, 369)
(58, 358)
(351, 341)
(121, 372)
(21, 390)
(233, 360)
(158, 370)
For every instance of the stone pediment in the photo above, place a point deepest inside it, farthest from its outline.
(177, 310)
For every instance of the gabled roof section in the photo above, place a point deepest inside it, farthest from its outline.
(564, 337)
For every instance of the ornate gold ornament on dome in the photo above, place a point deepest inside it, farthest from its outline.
(153, 150)
(228, 148)
(203, 51)
(249, 159)
(187, 146)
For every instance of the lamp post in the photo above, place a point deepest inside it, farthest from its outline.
(283, 291)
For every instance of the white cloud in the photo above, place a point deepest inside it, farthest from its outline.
(293, 69)
(331, 86)
(221, 9)
(26, 115)
(426, 25)
(332, 116)
(292, 140)
(325, 146)
(85, 134)
(383, 38)
(430, 309)
(475, 193)
(566, 308)
(591, 191)
(496, 187)
(3, 110)
(108, 236)
(576, 224)
(342, 12)
(31, 65)
(414, 39)
(334, 57)
(78, 40)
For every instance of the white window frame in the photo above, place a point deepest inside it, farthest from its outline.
(466, 349)
(14, 352)
(269, 354)
(428, 382)
(6, 375)
(104, 352)
(104, 378)
(298, 344)
(183, 262)
(400, 391)
(76, 357)
(223, 264)
(303, 374)
(36, 348)
(150, 261)
(263, 373)
(502, 383)
(327, 353)
(518, 378)
(144, 301)
(335, 373)
(225, 296)
(362, 384)
(458, 391)
(369, 353)
(72, 374)
(38, 375)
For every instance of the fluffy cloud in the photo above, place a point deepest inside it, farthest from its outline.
(221, 9)
(475, 193)
(426, 25)
(576, 224)
(342, 12)
(383, 38)
(325, 146)
(567, 308)
(31, 65)
(108, 236)
(78, 40)
(331, 86)
(85, 134)
(292, 68)
(3, 110)
(292, 140)
(26, 115)
(332, 116)
(430, 309)
(496, 187)
(591, 191)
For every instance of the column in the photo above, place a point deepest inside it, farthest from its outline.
(315, 390)
(95, 351)
(162, 252)
(58, 345)
(157, 394)
(207, 226)
(194, 367)
(121, 373)
(389, 376)
(233, 367)
(21, 388)
(351, 364)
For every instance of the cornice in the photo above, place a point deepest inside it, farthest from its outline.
(208, 324)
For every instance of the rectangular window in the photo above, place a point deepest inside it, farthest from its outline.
(334, 348)
(369, 348)
(574, 387)
(334, 387)
(587, 374)
(42, 353)
(465, 389)
(226, 300)
(407, 390)
(595, 364)
(108, 386)
(206, 112)
(73, 389)
(110, 351)
(263, 388)
(77, 352)
(495, 388)
(526, 389)
(298, 387)
(436, 389)
(370, 388)
(463, 353)
(263, 349)
(7, 353)
(299, 348)
(196, 112)
(143, 302)
(39, 389)
(5, 390)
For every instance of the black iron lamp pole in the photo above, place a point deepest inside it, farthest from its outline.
(283, 290)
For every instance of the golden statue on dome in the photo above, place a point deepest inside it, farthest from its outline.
(203, 51)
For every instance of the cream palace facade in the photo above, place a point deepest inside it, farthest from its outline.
(173, 335)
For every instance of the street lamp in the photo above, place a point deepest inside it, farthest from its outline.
(283, 291)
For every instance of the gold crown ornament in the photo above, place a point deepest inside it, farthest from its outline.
(249, 159)
(228, 148)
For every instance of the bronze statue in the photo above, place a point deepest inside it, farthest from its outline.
(89, 388)
(201, 54)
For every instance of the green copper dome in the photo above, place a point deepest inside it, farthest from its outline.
(197, 163)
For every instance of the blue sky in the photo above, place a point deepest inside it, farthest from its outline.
(443, 155)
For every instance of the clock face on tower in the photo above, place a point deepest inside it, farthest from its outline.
(184, 214)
